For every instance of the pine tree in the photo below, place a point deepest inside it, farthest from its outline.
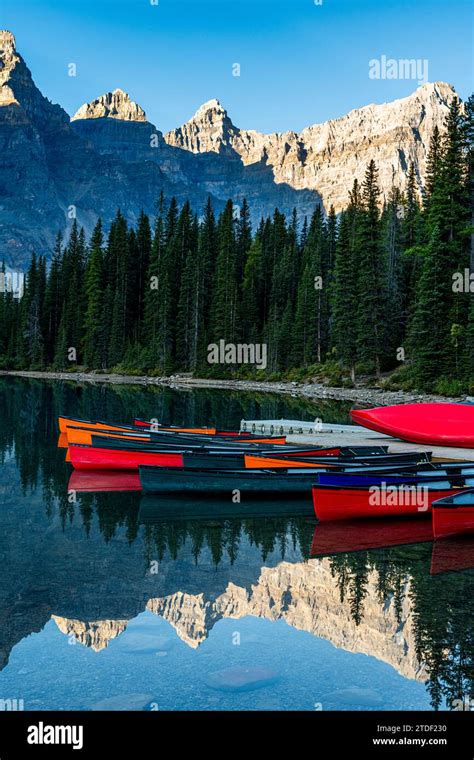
(252, 293)
(430, 328)
(311, 331)
(433, 164)
(395, 229)
(344, 292)
(205, 279)
(372, 295)
(224, 314)
(151, 290)
(53, 301)
(94, 279)
(32, 337)
(186, 314)
(168, 290)
(117, 260)
(139, 262)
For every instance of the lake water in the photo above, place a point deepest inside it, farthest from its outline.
(106, 605)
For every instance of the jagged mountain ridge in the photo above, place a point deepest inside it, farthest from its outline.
(50, 170)
(326, 157)
(109, 155)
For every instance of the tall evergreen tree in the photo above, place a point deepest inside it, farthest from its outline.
(93, 283)
(372, 293)
(430, 329)
(344, 293)
(225, 309)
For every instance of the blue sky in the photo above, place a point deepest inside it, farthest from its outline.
(301, 62)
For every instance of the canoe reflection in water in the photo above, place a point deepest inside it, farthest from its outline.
(452, 554)
(155, 508)
(351, 536)
(104, 481)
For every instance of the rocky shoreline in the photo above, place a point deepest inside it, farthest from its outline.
(317, 391)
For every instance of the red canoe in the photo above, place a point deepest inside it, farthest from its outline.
(91, 458)
(443, 424)
(454, 515)
(335, 503)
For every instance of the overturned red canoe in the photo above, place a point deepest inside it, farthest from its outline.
(334, 503)
(92, 458)
(443, 424)
(454, 515)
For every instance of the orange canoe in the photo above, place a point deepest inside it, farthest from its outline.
(255, 463)
(65, 422)
(84, 435)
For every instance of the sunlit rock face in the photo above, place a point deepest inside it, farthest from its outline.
(327, 157)
(112, 105)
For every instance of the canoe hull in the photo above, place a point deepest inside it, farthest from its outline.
(452, 521)
(333, 503)
(231, 482)
(91, 458)
(441, 424)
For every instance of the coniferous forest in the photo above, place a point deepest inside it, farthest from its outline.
(380, 287)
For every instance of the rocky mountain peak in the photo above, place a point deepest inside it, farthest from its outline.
(111, 105)
(210, 107)
(326, 157)
(7, 40)
(8, 61)
(210, 130)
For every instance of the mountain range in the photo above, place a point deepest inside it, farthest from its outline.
(54, 168)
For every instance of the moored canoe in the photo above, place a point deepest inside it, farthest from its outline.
(230, 482)
(456, 476)
(93, 458)
(335, 503)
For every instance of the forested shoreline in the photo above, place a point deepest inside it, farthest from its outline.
(380, 287)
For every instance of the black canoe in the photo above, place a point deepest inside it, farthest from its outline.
(182, 444)
(216, 481)
(206, 481)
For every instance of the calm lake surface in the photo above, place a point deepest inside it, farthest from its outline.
(106, 605)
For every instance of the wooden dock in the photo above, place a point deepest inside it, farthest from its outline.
(328, 434)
